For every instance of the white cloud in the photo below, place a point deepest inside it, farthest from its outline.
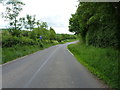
(62, 30)
(55, 12)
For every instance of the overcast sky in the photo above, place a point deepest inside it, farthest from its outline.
(55, 12)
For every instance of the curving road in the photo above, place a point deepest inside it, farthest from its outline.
(54, 67)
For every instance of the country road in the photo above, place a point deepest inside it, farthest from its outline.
(54, 67)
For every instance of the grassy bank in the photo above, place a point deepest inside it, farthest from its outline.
(11, 53)
(8, 54)
(103, 62)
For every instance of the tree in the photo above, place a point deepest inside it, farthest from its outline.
(21, 23)
(38, 24)
(74, 24)
(30, 22)
(52, 34)
(44, 25)
(13, 8)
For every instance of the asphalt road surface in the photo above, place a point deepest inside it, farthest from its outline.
(54, 67)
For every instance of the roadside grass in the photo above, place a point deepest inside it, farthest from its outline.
(102, 62)
(11, 53)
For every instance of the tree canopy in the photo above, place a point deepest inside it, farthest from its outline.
(97, 23)
(13, 8)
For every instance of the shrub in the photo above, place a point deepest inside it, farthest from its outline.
(27, 41)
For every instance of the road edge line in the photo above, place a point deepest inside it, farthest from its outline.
(70, 52)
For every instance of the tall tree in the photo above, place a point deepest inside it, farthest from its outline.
(13, 8)
(52, 34)
(30, 22)
(38, 24)
(44, 25)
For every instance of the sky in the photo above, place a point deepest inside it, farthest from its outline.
(55, 12)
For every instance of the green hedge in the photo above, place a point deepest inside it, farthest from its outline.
(9, 41)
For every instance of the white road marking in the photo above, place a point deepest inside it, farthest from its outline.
(39, 69)
(70, 52)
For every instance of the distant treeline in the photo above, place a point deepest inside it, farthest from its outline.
(97, 23)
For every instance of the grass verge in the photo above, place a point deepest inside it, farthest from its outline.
(11, 53)
(102, 62)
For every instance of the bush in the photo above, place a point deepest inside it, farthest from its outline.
(54, 41)
(27, 41)
(9, 41)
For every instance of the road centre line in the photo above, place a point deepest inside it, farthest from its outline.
(39, 69)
